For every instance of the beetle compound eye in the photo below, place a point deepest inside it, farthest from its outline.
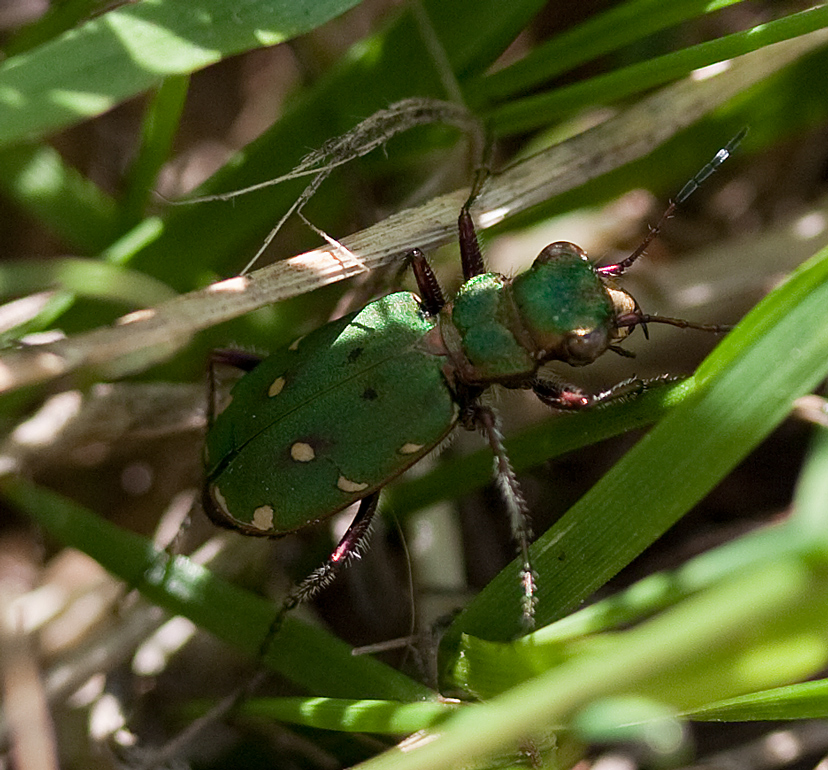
(583, 346)
(560, 250)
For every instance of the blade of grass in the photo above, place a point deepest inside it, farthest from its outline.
(537, 111)
(159, 127)
(129, 49)
(766, 625)
(491, 667)
(564, 433)
(806, 700)
(84, 277)
(598, 35)
(353, 716)
(41, 184)
(233, 614)
(58, 18)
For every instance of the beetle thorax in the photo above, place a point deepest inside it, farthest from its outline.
(502, 330)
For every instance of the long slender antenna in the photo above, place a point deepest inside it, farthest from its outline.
(619, 268)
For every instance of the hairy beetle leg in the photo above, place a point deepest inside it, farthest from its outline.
(486, 420)
(570, 398)
(351, 546)
(431, 295)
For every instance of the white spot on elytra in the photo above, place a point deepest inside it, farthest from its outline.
(346, 485)
(220, 501)
(276, 387)
(409, 449)
(263, 517)
(295, 344)
(302, 453)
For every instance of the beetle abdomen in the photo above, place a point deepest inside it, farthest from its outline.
(329, 420)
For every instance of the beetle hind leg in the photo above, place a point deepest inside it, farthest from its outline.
(351, 546)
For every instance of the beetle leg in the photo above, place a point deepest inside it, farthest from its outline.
(431, 294)
(240, 359)
(350, 547)
(570, 398)
(486, 420)
(470, 254)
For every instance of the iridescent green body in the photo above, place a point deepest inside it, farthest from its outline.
(331, 419)
(501, 330)
(327, 421)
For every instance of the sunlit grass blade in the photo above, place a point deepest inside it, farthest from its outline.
(354, 716)
(766, 625)
(62, 81)
(806, 700)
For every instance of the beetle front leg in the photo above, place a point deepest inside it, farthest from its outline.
(431, 294)
(570, 398)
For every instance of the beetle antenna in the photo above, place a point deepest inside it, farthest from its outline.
(702, 176)
(631, 320)
(487, 421)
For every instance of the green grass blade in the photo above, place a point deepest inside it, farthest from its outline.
(234, 615)
(353, 716)
(158, 131)
(36, 178)
(83, 277)
(599, 35)
(89, 70)
(766, 626)
(807, 700)
(543, 109)
(558, 436)
(744, 389)
(810, 515)
(58, 18)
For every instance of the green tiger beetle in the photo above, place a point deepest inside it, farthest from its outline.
(335, 416)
